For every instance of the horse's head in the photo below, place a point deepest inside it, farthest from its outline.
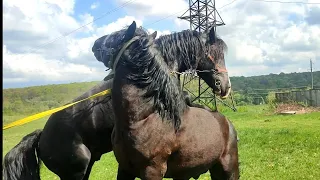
(108, 46)
(212, 68)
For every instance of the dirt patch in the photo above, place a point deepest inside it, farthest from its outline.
(299, 109)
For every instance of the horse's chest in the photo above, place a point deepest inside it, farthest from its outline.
(146, 139)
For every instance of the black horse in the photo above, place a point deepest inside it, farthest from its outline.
(70, 142)
(156, 134)
(74, 138)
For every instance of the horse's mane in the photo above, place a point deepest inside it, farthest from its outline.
(185, 47)
(151, 73)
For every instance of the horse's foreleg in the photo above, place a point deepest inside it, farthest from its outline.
(231, 164)
(154, 172)
(228, 166)
(76, 165)
(226, 169)
(89, 168)
(124, 175)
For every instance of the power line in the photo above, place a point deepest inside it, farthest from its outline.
(67, 34)
(114, 10)
(227, 4)
(125, 4)
(311, 73)
(288, 2)
(164, 18)
(103, 15)
(180, 12)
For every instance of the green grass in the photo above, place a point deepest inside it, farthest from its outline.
(271, 146)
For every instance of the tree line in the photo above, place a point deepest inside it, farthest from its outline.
(39, 98)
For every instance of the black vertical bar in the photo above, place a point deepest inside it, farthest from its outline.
(190, 4)
(206, 16)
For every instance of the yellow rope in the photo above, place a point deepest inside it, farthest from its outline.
(51, 111)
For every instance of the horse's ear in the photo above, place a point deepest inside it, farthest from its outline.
(130, 31)
(212, 36)
(154, 35)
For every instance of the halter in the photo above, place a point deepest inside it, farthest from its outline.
(216, 65)
(213, 61)
(104, 50)
(113, 62)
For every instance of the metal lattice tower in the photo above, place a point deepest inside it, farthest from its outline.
(202, 15)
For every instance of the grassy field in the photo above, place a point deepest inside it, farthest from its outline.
(271, 146)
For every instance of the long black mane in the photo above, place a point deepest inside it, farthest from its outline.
(188, 48)
(148, 71)
(183, 50)
(184, 47)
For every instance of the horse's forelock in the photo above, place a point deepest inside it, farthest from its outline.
(217, 49)
(221, 44)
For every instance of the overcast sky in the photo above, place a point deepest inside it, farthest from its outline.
(263, 37)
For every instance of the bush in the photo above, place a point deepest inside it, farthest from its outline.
(271, 100)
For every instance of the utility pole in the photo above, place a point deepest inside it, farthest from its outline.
(311, 74)
(202, 15)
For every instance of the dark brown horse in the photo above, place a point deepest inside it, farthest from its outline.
(156, 134)
(74, 138)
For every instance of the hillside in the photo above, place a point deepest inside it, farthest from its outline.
(273, 81)
(39, 98)
(26, 101)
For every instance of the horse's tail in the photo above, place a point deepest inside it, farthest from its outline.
(21, 162)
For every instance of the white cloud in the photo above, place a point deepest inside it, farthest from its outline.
(80, 47)
(159, 33)
(117, 25)
(181, 24)
(32, 66)
(86, 19)
(37, 15)
(65, 59)
(155, 7)
(95, 5)
(262, 37)
(275, 37)
(27, 25)
(249, 53)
